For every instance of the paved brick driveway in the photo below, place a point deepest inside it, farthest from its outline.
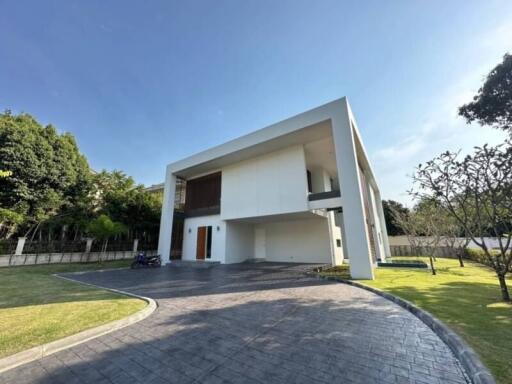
(251, 323)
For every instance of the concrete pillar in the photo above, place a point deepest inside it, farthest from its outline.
(164, 240)
(260, 243)
(135, 245)
(355, 230)
(20, 245)
(332, 237)
(88, 245)
(383, 227)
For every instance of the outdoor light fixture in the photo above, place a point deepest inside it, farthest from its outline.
(218, 228)
(190, 230)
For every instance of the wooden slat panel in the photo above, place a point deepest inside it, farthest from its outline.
(203, 192)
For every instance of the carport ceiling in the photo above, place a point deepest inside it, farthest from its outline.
(307, 215)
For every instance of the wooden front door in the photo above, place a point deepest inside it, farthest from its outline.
(201, 243)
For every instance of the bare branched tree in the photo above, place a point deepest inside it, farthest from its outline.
(453, 239)
(424, 228)
(477, 192)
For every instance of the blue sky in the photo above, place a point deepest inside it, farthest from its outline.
(143, 83)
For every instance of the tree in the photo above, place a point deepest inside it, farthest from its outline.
(390, 206)
(47, 173)
(9, 221)
(423, 227)
(477, 192)
(103, 228)
(493, 104)
(454, 236)
(47, 188)
(122, 200)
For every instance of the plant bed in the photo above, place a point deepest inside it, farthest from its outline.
(337, 270)
(406, 263)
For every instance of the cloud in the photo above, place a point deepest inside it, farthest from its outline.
(439, 127)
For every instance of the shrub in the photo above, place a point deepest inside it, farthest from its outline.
(478, 255)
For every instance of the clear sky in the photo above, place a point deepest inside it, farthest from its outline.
(143, 83)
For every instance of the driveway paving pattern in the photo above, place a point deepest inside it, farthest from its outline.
(250, 323)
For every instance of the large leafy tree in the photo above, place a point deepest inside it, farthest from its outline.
(47, 189)
(492, 105)
(47, 173)
(121, 199)
(390, 207)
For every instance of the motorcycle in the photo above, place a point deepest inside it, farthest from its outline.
(142, 260)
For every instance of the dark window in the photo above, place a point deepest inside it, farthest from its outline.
(176, 237)
(338, 243)
(209, 242)
(310, 186)
(203, 193)
(179, 195)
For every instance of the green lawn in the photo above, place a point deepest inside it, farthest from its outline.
(36, 307)
(466, 299)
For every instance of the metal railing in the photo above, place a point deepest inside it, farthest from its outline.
(324, 195)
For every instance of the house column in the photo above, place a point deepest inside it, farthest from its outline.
(164, 240)
(383, 224)
(354, 221)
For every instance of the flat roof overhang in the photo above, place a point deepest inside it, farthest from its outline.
(222, 156)
(309, 126)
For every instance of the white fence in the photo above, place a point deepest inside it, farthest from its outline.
(491, 242)
(66, 255)
(75, 257)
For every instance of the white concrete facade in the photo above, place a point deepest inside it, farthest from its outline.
(291, 192)
(270, 184)
(218, 237)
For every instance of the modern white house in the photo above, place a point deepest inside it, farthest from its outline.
(301, 190)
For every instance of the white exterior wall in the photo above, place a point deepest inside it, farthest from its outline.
(271, 184)
(218, 237)
(297, 241)
(320, 180)
(260, 242)
(239, 242)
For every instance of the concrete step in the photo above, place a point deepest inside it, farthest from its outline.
(192, 263)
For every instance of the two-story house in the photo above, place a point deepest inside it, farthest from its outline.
(301, 190)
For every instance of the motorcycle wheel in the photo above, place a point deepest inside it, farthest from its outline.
(134, 265)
